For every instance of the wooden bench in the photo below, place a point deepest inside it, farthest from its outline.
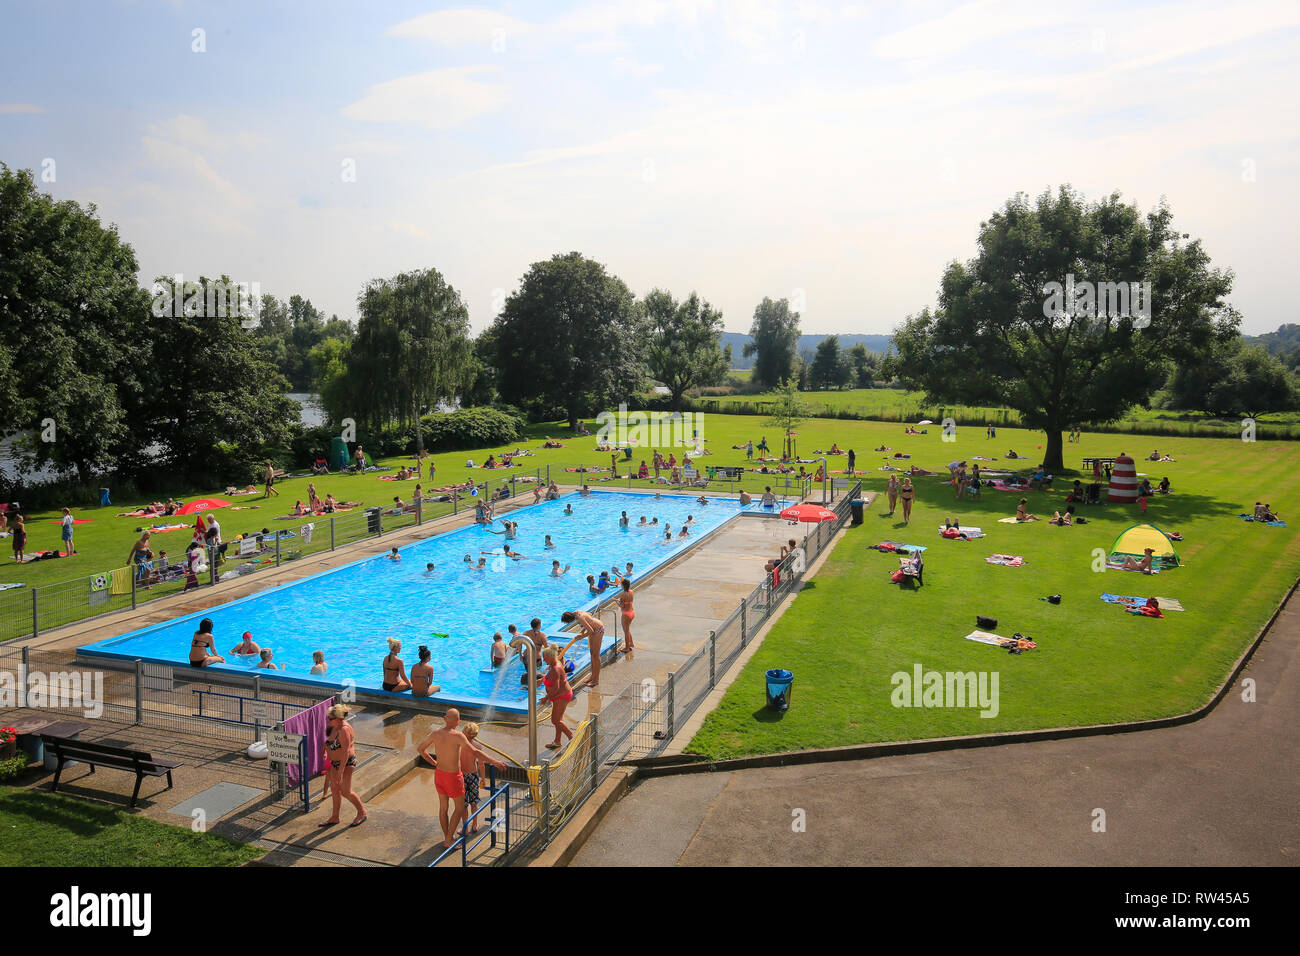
(103, 755)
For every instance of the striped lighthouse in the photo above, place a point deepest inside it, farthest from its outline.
(1123, 481)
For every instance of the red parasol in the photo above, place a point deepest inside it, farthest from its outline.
(809, 513)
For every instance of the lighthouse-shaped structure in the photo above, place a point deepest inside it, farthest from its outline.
(1123, 481)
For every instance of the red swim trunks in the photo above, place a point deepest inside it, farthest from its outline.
(448, 783)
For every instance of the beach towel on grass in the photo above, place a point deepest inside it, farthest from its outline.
(893, 547)
(1010, 560)
(1271, 524)
(1006, 643)
(6, 587)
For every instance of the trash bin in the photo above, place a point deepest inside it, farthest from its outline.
(103, 497)
(372, 520)
(856, 504)
(779, 683)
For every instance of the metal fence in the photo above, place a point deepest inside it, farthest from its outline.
(27, 612)
(641, 719)
(183, 700)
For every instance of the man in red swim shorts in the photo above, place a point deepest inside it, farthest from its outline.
(447, 743)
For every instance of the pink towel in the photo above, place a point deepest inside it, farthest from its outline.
(311, 722)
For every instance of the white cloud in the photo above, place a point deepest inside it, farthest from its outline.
(440, 99)
(462, 28)
(17, 108)
(368, 147)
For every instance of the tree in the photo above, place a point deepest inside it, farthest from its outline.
(213, 402)
(683, 347)
(863, 364)
(830, 368)
(571, 338)
(774, 336)
(412, 348)
(1234, 379)
(1013, 328)
(74, 341)
(788, 410)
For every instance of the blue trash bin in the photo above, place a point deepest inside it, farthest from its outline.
(103, 498)
(779, 683)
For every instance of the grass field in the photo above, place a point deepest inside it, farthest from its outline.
(896, 405)
(43, 829)
(851, 628)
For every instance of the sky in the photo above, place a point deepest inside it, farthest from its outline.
(839, 154)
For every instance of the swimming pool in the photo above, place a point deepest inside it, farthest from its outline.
(349, 612)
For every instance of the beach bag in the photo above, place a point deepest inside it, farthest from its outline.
(986, 623)
(1054, 599)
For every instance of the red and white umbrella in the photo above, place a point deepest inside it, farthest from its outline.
(809, 513)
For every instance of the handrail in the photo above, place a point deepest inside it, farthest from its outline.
(462, 842)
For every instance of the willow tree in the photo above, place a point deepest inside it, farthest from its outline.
(1071, 312)
(411, 350)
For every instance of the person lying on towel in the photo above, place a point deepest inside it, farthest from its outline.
(1143, 565)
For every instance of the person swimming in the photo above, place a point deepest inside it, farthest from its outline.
(247, 647)
(555, 569)
(428, 569)
(548, 544)
(568, 509)
(642, 523)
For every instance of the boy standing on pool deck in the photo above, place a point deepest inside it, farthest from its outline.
(472, 759)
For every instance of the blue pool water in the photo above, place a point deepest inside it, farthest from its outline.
(349, 612)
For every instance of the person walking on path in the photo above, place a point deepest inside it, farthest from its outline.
(891, 491)
(341, 747)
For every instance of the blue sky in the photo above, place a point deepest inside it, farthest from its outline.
(837, 153)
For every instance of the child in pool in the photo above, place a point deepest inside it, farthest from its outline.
(393, 555)
(568, 509)
(548, 544)
(555, 569)
(499, 649)
(428, 569)
(318, 667)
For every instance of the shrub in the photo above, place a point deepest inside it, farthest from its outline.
(470, 428)
(14, 766)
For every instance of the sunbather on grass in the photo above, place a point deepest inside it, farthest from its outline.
(1143, 565)
(1022, 513)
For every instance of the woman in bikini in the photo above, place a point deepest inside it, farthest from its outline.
(891, 490)
(594, 632)
(1022, 513)
(907, 492)
(558, 694)
(394, 670)
(340, 745)
(202, 646)
(422, 684)
(625, 602)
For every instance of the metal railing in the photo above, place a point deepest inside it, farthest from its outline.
(143, 694)
(640, 720)
(29, 612)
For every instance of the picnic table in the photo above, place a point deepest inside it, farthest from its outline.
(33, 726)
(1099, 462)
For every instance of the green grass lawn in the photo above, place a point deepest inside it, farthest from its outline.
(42, 829)
(897, 405)
(845, 637)
(851, 629)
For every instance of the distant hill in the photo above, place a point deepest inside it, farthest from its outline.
(807, 345)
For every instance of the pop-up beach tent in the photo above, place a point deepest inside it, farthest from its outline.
(1135, 541)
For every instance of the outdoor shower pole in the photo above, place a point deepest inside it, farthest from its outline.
(531, 665)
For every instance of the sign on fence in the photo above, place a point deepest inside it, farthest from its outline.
(282, 747)
(263, 710)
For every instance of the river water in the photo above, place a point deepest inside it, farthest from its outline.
(311, 416)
